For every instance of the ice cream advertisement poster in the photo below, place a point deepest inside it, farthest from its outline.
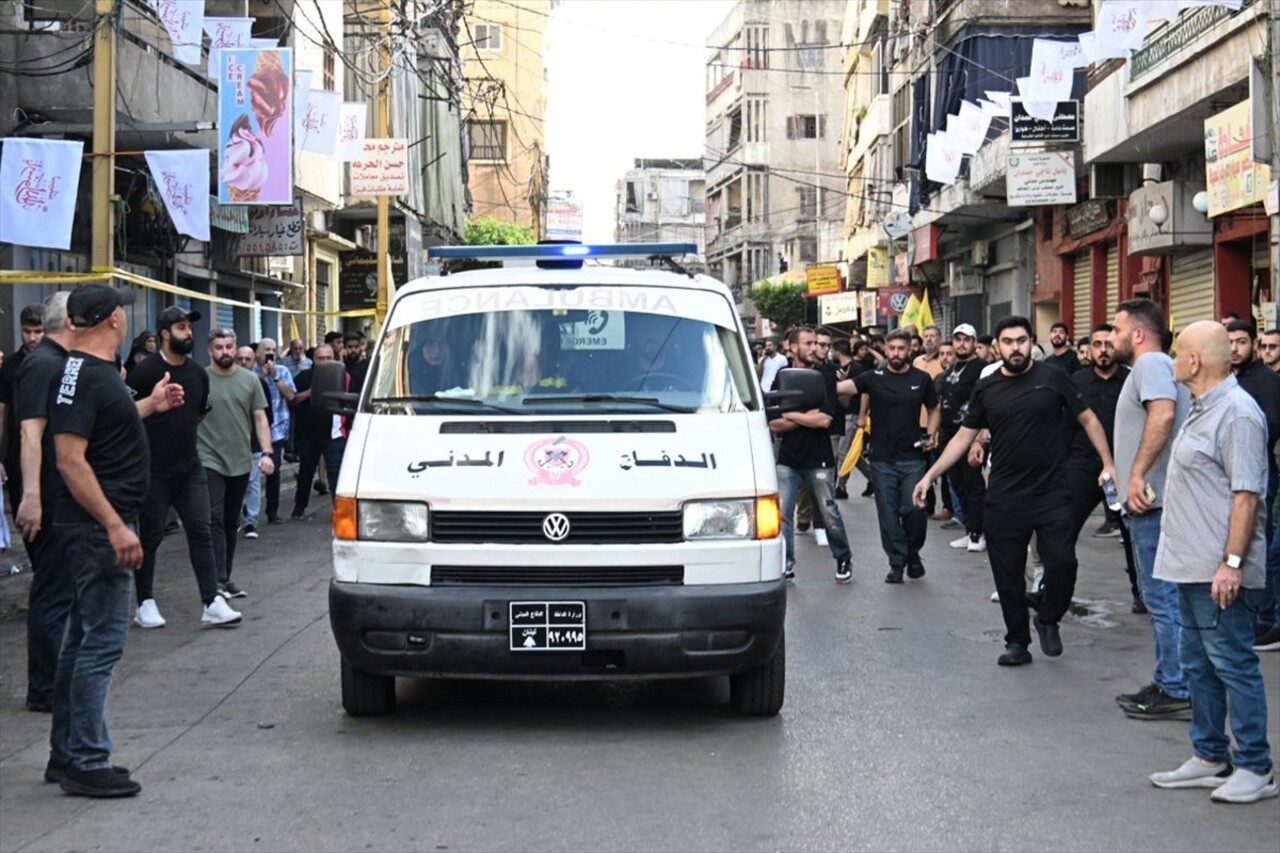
(255, 126)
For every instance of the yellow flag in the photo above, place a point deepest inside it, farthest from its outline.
(911, 314)
(293, 328)
(926, 313)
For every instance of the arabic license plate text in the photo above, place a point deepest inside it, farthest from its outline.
(548, 626)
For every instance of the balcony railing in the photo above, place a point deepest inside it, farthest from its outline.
(1167, 39)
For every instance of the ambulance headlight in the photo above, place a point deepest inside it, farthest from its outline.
(723, 519)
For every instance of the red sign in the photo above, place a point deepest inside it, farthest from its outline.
(893, 300)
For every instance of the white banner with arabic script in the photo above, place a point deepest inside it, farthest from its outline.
(318, 131)
(182, 177)
(39, 179)
(352, 121)
(382, 168)
(183, 20)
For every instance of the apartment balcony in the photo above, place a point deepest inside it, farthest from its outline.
(874, 124)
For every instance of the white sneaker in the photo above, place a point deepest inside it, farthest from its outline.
(995, 596)
(219, 614)
(1245, 786)
(976, 547)
(148, 615)
(820, 535)
(1194, 773)
(1037, 578)
(962, 542)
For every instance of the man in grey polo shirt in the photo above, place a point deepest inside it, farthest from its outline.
(1151, 408)
(1213, 547)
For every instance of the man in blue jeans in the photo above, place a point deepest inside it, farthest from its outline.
(898, 392)
(1213, 549)
(1151, 409)
(805, 456)
(103, 459)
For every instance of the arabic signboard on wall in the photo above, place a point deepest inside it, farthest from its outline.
(274, 231)
(877, 267)
(358, 276)
(1065, 127)
(381, 169)
(1046, 178)
(228, 217)
(564, 220)
(838, 308)
(1088, 216)
(822, 280)
(1234, 179)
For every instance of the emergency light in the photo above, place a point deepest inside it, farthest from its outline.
(553, 251)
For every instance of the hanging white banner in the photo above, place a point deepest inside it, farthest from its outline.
(183, 20)
(182, 178)
(301, 97)
(352, 122)
(942, 158)
(226, 32)
(319, 129)
(971, 127)
(1121, 25)
(39, 179)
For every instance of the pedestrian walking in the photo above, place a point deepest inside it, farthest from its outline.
(102, 457)
(1212, 549)
(31, 322)
(280, 392)
(956, 386)
(898, 392)
(1063, 354)
(1024, 405)
(237, 407)
(178, 478)
(319, 435)
(804, 456)
(1151, 409)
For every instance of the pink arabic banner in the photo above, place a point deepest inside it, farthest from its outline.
(182, 178)
(255, 126)
(39, 179)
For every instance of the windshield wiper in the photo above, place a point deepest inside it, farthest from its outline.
(607, 398)
(469, 402)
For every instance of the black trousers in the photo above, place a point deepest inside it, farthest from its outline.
(186, 491)
(310, 451)
(1086, 494)
(1009, 531)
(972, 488)
(226, 497)
(273, 482)
(49, 604)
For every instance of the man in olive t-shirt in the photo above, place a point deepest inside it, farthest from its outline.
(236, 406)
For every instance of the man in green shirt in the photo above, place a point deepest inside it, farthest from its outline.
(237, 405)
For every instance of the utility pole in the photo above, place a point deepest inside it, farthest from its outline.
(104, 133)
(383, 130)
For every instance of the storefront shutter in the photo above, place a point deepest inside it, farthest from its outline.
(225, 316)
(1191, 289)
(1081, 290)
(1113, 282)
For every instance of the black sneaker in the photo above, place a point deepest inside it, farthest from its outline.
(1015, 654)
(789, 574)
(1139, 606)
(869, 491)
(274, 519)
(894, 576)
(103, 782)
(38, 703)
(803, 526)
(1106, 531)
(1142, 695)
(1267, 641)
(231, 590)
(321, 488)
(1050, 639)
(841, 492)
(296, 515)
(1159, 706)
(844, 571)
(950, 524)
(915, 568)
(57, 768)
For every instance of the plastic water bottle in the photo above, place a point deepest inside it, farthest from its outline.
(1112, 495)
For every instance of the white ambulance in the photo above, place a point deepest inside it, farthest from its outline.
(558, 469)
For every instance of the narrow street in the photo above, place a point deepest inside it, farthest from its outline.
(899, 732)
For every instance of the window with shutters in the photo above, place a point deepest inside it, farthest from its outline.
(488, 37)
(901, 128)
(488, 140)
(806, 202)
(756, 118)
(735, 130)
(807, 127)
(756, 37)
(330, 69)
(755, 197)
(324, 276)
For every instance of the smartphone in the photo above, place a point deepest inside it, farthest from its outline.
(1149, 493)
(269, 357)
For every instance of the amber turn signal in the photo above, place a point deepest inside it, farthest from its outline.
(768, 517)
(346, 524)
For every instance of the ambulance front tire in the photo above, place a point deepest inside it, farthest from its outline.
(759, 691)
(365, 694)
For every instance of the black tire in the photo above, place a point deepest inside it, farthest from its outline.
(365, 694)
(759, 692)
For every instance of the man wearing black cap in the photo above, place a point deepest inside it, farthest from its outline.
(103, 459)
(177, 476)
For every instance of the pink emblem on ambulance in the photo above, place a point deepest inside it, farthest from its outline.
(556, 461)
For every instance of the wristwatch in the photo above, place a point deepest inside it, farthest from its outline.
(1233, 561)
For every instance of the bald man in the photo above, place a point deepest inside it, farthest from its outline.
(1213, 549)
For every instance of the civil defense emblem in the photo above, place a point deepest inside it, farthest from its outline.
(556, 461)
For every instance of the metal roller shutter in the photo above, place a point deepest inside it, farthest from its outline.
(225, 315)
(1081, 291)
(1191, 289)
(1113, 281)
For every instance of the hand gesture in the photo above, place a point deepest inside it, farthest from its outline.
(28, 517)
(920, 494)
(1226, 586)
(266, 465)
(127, 547)
(167, 395)
(977, 454)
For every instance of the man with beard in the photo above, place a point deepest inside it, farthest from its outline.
(1063, 355)
(1024, 406)
(956, 387)
(898, 393)
(31, 320)
(1269, 349)
(1150, 411)
(1100, 386)
(177, 477)
(805, 457)
(354, 357)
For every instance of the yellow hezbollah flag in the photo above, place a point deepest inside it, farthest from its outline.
(917, 313)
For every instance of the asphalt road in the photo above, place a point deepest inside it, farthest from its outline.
(899, 732)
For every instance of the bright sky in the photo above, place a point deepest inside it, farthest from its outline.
(626, 80)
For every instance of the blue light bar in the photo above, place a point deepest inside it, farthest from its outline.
(550, 251)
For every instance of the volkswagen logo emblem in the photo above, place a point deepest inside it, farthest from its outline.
(556, 527)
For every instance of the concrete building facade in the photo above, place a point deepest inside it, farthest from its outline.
(663, 201)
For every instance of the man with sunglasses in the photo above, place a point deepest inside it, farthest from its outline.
(1269, 349)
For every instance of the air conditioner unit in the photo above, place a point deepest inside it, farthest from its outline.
(316, 221)
(980, 253)
(1113, 180)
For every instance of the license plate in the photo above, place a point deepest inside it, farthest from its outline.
(548, 626)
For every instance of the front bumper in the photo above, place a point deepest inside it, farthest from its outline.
(632, 632)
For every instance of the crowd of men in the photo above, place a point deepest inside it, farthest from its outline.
(99, 451)
(1025, 443)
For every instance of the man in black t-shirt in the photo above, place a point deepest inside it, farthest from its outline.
(32, 324)
(103, 459)
(804, 456)
(1063, 354)
(956, 386)
(177, 476)
(898, 392)
(1023, 405)
(317, 434)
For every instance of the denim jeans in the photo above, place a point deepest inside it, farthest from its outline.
(822, 482)
(957, 499)
(1269, 612)
(253, 493)
(1161, 599)
(97, 629)
(187, 491)
(902, 523)
(1221, 665)
(49, 603)
(1273, 579)
(226, 496)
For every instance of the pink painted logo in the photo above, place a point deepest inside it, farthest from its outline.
(556, 461)
(35, 189)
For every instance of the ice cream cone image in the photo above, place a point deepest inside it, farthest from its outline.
(269, 87)
(244, 196)
(244, 163)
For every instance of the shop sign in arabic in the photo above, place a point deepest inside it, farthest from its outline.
(1037, 179)
(274, 231)
(1065, 127)
(381, 169)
